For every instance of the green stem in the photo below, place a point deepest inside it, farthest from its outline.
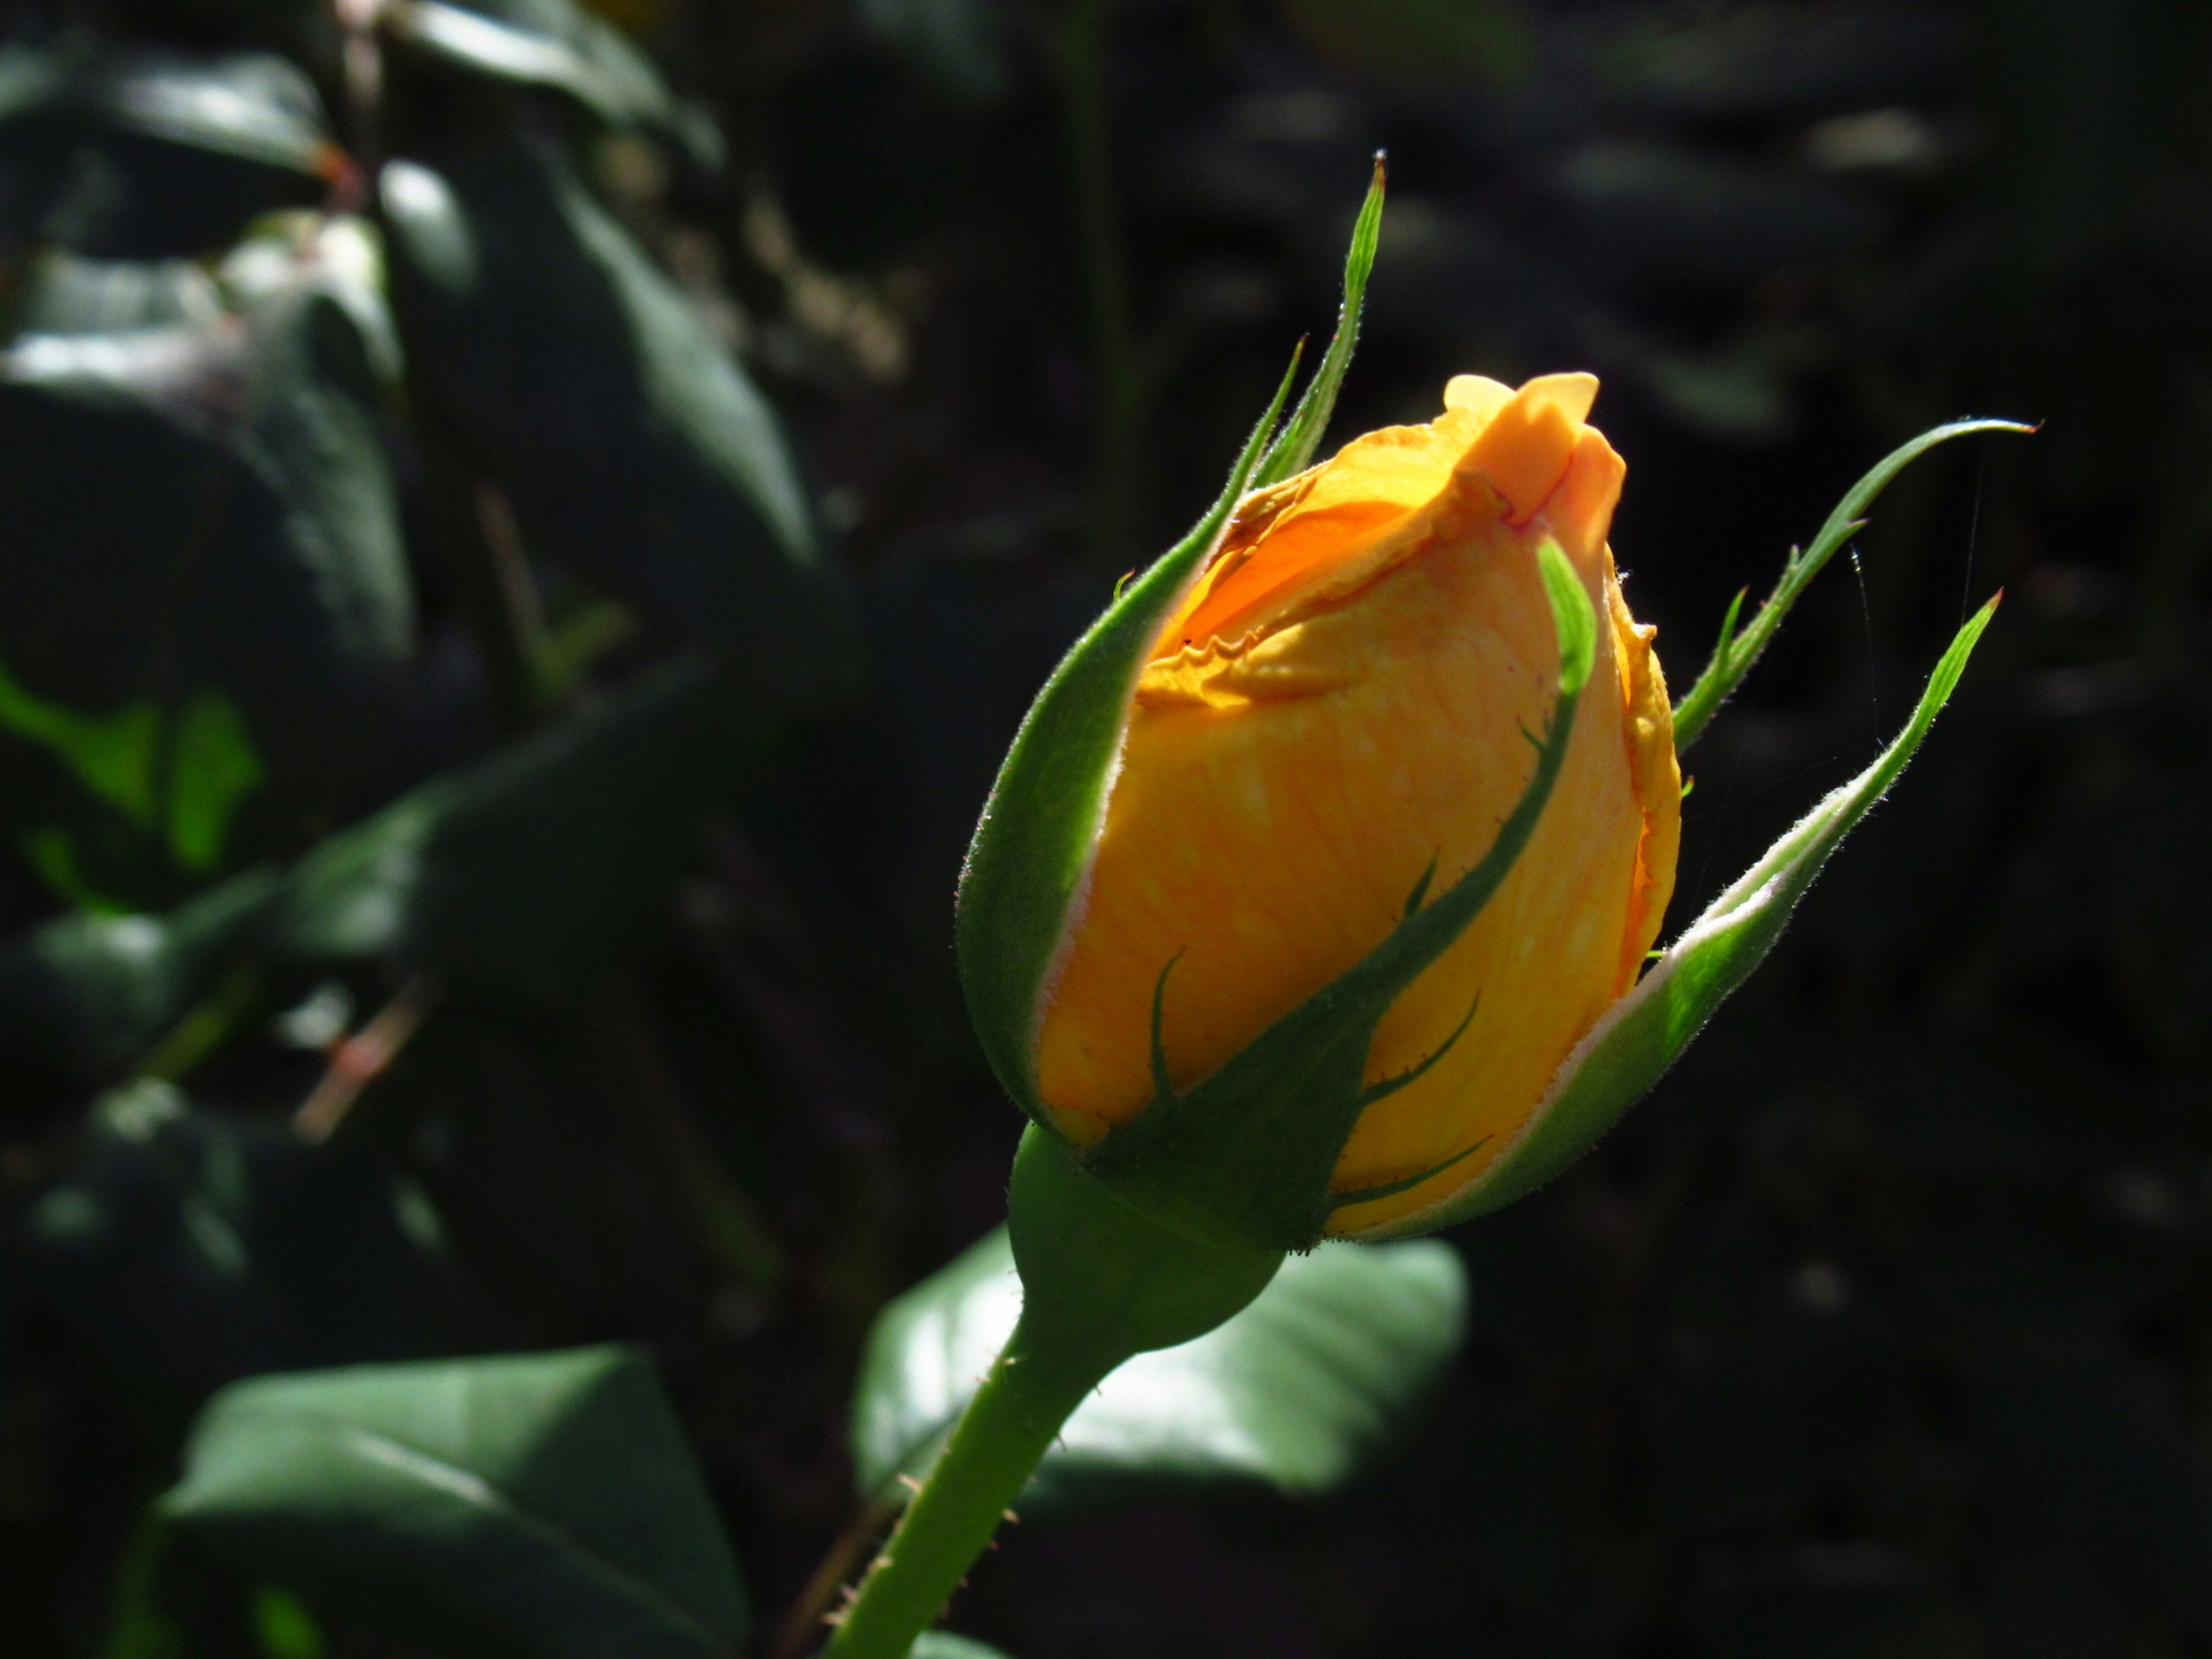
(1101, 1282)
(1030, 1393)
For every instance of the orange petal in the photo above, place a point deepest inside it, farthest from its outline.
(1529, 443)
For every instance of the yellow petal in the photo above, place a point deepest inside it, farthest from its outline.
(1344, 698)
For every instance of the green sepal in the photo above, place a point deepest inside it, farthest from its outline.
(1736, 651)
(1246, 1155)
(1301, 435)
(1034, 843)
(1641, 1035)
(1033, 847)
(1103, 1281)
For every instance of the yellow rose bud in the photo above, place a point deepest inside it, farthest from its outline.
(1346, 699)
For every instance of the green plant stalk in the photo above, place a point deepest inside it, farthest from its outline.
(1101, 1283)
(1031, 1391)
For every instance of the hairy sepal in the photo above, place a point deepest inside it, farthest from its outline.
(1643, 1033)
(1737, 650)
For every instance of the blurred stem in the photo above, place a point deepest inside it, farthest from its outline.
(206, 1026)
(480, 548)
(795, 1637)
(361, 1059)
(363, 67)
(1082, 42)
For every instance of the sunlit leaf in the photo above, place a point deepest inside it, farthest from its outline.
(150, 154)
(558, 45)
(1297, 1393)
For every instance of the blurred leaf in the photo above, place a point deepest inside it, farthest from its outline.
(112, 755)
(958, 41)
(62, 293)
(944, 1644)
(556, 44)
(212, 766)
(541, 1506)
(1417, 43)
(144, 154)
(530, 876)
(284, 1626)
(638, 447)
(251, 106)
(525, 879)
(286, 257)
(205, 583)
(85, 996)
(1299, 1393)
(184, 1249)
(211, 763)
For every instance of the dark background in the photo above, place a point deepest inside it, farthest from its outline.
(1885, 1327)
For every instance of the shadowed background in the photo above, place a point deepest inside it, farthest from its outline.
(457, 626)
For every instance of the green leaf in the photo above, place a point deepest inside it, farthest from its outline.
(284, 1627)
(638, 447)
(1738, 650)
(524, 880)
(253, 106)
(1638, 1038)
(182, 1250)
(84, 996)
(62, 293)
(539, 1506)
(212, 768)
(209, 553)
(208, 767)
(944, 1644)
(149, 155)
(558, 45)
(113, 754)
(1297, 1393)
(1247, 1153)
(527, 878)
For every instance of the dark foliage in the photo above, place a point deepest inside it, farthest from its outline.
(524, 532)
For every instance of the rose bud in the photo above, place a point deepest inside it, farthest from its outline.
(1316, 892)
(1341, 702)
